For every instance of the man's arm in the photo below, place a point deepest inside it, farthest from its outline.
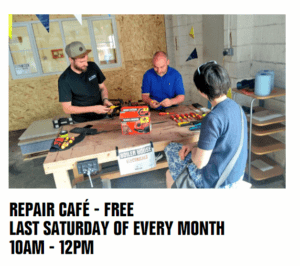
(104, 94)
(174, 101)
(200, 157)
(68, 108)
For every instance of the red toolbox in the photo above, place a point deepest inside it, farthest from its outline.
(135, 120)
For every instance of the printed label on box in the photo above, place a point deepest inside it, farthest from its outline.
(136, 159)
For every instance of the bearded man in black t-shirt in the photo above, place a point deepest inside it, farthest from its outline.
(81, 87)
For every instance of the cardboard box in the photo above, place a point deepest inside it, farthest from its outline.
(135, 120)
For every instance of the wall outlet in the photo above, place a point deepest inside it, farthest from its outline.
(228, 51)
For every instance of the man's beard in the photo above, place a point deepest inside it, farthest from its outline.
(79, 68)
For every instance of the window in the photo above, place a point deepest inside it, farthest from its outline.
(33, 51)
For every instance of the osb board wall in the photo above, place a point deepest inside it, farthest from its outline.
(140, 36)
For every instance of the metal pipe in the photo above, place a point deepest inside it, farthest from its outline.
(250, 141)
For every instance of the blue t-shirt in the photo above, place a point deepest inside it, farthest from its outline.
(221, 132)
(168, 86)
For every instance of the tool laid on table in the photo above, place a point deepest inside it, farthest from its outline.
(62, 121)
(60, 144)
(196, 127)
(197, 116)
(188, 116)
(162, 113)
(179, 117)
(173, 118)
(63, 134)
(184, 123)
(184, 117)
(178, 123)
(67, 142)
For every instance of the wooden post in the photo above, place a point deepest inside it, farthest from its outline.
(62, 179)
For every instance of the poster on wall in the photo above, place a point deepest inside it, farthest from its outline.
(22, 69)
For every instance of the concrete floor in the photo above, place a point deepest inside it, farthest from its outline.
(30, 173)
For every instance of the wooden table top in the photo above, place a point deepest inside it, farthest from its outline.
(103, 146)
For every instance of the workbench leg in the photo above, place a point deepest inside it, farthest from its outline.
(62, 179)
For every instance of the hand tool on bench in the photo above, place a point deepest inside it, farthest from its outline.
(181, 124)
(162, 113)
(196, 127)
(179, 117)
(188, 116)
(184, 117)
(173, 118)
(199, 117)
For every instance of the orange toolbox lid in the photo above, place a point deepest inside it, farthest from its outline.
(134, 111)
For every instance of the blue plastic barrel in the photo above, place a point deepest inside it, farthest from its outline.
(263, 84)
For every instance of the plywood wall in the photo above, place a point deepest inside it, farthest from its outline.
(140, 36)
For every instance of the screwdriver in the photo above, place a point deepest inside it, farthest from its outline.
(178, 117)
(173, 118)
(198, 126)
(188, 116)
(184, 117)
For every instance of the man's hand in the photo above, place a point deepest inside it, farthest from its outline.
(185, 150)
(107, 102)
(154, 104)
(101, 109)
(166, 103)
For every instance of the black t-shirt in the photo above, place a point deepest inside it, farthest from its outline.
(82, 90)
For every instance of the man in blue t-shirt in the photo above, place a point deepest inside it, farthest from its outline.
(162, 85)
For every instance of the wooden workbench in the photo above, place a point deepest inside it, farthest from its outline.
(103, 146)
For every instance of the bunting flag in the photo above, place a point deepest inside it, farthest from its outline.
(44, 19)
(193, 55)
(192, 34)
(208, 105)
(10, 26)
(79, 18)
(229, 93)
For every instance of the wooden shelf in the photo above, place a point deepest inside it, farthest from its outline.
(266, 144)
(267, 122)
(262, 143)
(276, 92)
(257, 174)
(267, 130)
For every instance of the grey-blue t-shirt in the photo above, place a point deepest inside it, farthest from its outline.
(221, 132)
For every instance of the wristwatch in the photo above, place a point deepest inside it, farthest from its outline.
(104, 99)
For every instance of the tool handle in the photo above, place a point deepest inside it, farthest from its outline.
(178, 116)
(198, 126)
(173, 118)
(184, 117)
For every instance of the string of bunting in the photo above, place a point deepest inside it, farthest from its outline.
(194, 54)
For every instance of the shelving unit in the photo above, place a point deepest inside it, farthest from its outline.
(260, 141)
